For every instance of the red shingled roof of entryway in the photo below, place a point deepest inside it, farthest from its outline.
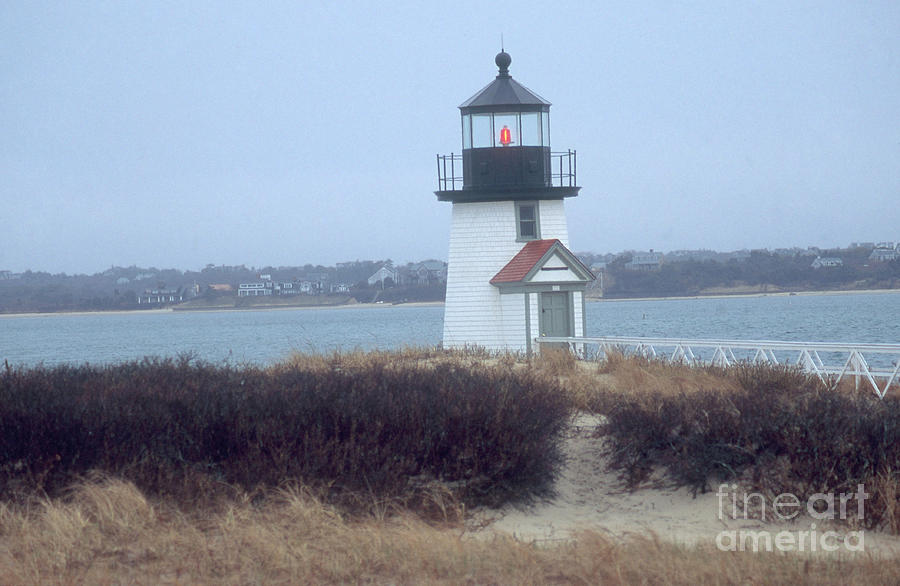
(516, 269)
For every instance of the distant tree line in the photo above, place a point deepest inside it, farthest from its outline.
(762, 269)
(120, 287)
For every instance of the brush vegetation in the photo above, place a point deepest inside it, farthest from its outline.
(358, 468)
(381, 424)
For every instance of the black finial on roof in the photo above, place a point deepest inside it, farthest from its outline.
(503, 60)
(505, 91)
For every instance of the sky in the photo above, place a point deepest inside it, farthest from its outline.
(177, 134)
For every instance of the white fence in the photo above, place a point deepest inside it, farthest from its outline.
(878, 364)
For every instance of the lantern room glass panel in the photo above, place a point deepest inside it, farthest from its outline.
(467, 131)
(545, 126)
(531, 129)
(481, 131)
(506, 129)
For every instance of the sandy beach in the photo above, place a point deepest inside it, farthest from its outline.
(82, 313)
(222, 309)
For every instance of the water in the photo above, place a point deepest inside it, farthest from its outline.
(218, 336)
(263, 337)
(854, 318)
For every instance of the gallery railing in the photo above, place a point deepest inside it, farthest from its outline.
(563, 170)
(877, 364)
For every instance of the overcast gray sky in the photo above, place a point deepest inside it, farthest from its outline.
(176, 134)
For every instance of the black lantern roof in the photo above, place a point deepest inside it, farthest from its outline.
(504, 91)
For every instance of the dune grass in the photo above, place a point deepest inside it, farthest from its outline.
(106, 531)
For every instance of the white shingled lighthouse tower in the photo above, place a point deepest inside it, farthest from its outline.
(511, 276)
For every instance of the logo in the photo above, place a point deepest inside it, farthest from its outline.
(785, 507)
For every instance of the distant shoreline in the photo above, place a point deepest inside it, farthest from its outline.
(732, 295)
(437, 303)
(222, 309)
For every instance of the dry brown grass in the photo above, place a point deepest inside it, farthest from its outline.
(592, 385)
(655, 376)
(107, 532)
(404, 357)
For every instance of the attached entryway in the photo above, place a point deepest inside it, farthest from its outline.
(555, 317)
(547, 283)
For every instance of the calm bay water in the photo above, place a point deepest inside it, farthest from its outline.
(265, 336)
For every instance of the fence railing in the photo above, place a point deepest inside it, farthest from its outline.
(563, 171)
(450, 172)
(564, 168)
(877, 364)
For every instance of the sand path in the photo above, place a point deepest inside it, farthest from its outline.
(590, 497)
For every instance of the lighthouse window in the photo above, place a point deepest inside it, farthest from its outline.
(481, 131)
(531, 129)
(527, 224)
(467, 131)
(506, 130)
(545, 127)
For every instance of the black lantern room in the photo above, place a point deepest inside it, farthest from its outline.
(506, 147)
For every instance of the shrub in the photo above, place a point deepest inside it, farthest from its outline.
(351, 423)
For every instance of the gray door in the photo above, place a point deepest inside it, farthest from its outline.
(555, 314)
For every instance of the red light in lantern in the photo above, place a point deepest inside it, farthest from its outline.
(505, 136)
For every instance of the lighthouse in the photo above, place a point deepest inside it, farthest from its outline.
(511, 277)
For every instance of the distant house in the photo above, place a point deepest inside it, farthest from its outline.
(287, 288)
(884, 255)
(260, 289)
(267, 288)
(645, 261)
(382, 275)
(160, 297)
(827, 262)
(221, 287)
(429, 271)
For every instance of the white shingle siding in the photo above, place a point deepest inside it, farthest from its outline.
(482, 241)
(579, 316)
(535, 316)
(553, 220)
(512, 315)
